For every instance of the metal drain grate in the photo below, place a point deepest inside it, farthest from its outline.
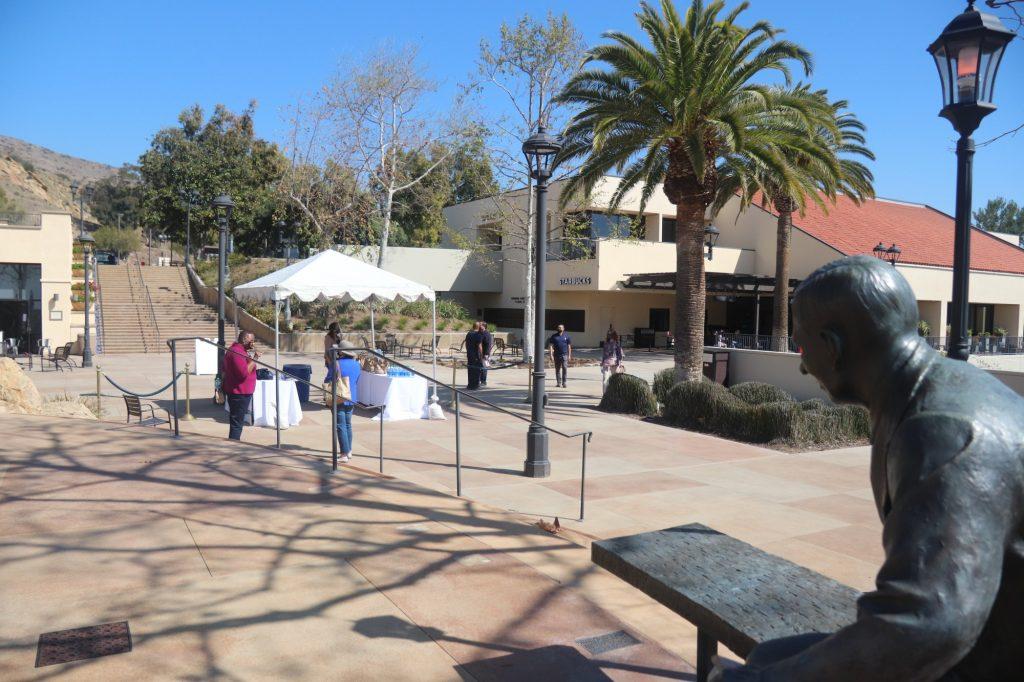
(600, 644)
(79, 644)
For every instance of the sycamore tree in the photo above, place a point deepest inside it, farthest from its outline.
(521, 74)
(207, 157)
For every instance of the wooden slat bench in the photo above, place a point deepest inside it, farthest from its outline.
(733, 592)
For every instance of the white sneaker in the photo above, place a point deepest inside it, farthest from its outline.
(344, 459)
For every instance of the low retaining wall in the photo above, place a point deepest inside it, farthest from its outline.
(313, 342)
(783, 370)
(207, 295)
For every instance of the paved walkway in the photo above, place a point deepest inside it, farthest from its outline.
(813, 508)
(235, 562)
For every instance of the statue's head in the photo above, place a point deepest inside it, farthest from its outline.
(847, 315)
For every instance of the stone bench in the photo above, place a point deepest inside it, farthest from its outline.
(733, 592)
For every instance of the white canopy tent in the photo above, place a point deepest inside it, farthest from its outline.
(333, 275)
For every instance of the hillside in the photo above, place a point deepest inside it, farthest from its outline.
(39, 179)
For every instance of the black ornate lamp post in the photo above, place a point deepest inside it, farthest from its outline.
(967, 55)
(222, 207)
(711, 235)
(540, 150)
(87, 241)
(890, 253)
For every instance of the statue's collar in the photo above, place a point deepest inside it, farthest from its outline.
(908, 374)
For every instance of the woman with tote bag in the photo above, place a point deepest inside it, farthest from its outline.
(348, 378)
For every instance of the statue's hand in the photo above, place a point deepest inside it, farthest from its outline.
(725, 670)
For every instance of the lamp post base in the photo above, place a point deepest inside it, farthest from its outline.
(537, 464)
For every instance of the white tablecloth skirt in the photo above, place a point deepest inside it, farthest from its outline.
(404, 397)
(263, 405)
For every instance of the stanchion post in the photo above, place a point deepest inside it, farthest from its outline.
(174, 385)
(380, 445)
(455, 365)
(188, 395)
(458, 448)
(99, 407)
(334, 408)
(583, 475)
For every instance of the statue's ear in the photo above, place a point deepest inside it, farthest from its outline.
(834, 344)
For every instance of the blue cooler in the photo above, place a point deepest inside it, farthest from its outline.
(304, 372)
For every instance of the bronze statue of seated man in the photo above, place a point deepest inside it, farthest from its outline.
(947, 470)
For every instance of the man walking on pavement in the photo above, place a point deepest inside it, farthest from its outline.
(560, 348)
(474, 356)
(486, 343)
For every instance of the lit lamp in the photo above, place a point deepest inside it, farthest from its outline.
(967, 55)
(222, 208)
(540, 150)
(711, 235)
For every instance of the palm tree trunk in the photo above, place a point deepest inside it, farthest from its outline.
(690, 290)
(780, 310)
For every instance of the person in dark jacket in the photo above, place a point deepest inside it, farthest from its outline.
(474, 356)
(349, 367)
(560, 347)
(947, 471)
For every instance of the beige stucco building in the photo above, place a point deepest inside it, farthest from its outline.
(616, 269)
(36, 279)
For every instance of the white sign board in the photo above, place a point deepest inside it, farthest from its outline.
(206, 357)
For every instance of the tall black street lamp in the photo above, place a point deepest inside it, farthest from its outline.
(87, 241)
(967, 55)
(222, 206)
(540, 150)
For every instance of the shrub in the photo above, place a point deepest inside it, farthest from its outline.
(709, 407)
(420, 324)
(663, 383)
(630, 395)
(383, 322)
(419, 309)
(263, 313)
(759, 393)
(363, 323)
(120, 242)
(449, 310)
(402, 323)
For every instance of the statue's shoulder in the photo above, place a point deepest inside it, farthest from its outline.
(955, 387)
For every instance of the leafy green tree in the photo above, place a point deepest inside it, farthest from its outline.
(209, 157)
(121, 242)
(464, 174)
(118, 194)
(1000, 215)
(673, 112)
(820, 163)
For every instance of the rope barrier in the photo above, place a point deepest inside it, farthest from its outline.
(143, 395)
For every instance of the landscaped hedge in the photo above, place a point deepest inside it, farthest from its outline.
(630, 395)
(663, 383)
(712, 408)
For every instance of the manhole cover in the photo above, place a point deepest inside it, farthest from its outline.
(607, 642)
(79, 644)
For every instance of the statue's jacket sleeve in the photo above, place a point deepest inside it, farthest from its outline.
(953, 491)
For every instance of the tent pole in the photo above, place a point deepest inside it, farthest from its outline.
(433, 339)
(277, 369)
(373, 332)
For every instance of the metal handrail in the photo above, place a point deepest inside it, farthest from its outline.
(152, 310)
(585, 436)
(131, 293)
(101, 341)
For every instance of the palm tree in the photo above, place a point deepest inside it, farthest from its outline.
(821, 164)
(675, 112)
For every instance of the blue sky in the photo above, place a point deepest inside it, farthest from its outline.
(97, 79)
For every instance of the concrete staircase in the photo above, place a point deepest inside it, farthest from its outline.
(141, 306)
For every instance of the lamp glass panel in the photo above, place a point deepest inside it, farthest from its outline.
(943, 66)
(966, 58)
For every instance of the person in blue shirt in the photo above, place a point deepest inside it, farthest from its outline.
(560, 347)
(348, 366)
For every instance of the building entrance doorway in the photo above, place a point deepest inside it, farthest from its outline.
(21, 319)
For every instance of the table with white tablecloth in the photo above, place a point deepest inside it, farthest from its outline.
(263, 411)
(402, 397)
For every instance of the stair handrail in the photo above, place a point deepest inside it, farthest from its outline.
(152, 309)
(100, 341)
(134, 258)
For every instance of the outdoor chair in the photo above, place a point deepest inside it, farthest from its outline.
(61, 356)
(135, 407)
(500, 347)
(457, 349)
(426, 350)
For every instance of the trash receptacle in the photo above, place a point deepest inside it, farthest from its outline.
(304, 372)
(716, 366)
